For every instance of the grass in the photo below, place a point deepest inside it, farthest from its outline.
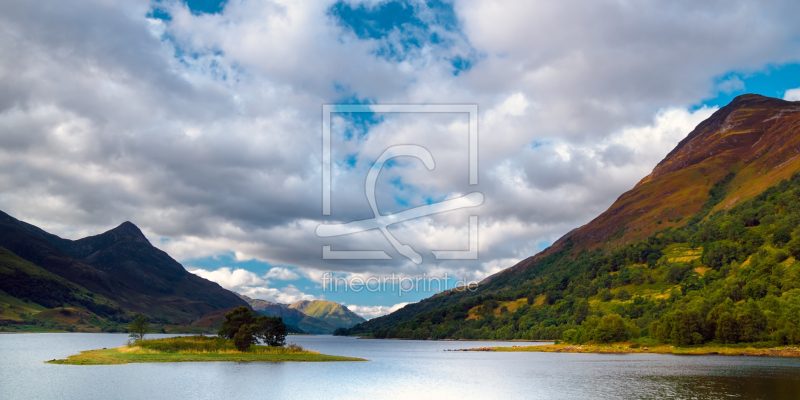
(194, 349)
(626, 348)
(11, 307)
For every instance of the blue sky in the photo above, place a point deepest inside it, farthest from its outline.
(771, 81)
(200, 121)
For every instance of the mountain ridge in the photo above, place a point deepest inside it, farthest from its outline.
(122, 266)
(290, 315)
(734, 156)
(334, 313)
(719, 151)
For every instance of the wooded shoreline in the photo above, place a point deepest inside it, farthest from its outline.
(625, 348)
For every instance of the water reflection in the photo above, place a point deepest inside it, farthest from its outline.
(398, 369)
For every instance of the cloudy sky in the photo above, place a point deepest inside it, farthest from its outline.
(201, 122)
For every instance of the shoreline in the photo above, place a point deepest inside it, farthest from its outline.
(458, 340)
(624, 348)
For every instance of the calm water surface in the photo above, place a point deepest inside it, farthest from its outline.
(397, 369)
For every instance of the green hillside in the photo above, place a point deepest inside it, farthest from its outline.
(725, 276)
(328, 311)
(27, 291)
(120, 265)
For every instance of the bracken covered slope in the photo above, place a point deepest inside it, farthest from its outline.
(755, 137)
(747, 146)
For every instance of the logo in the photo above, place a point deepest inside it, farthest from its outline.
(382, 222)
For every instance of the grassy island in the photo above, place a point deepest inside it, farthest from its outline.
(194, 349)
(627, 348)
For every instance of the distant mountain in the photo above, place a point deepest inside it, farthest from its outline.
(213, 321)
(121, 266)
(290, 316)
(704, 248)
(328, 311)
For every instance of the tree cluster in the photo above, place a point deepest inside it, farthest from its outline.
(243, 327)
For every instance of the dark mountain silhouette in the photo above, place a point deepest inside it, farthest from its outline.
(122, 266)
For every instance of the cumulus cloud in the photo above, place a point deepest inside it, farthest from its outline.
(204, 129)
(257, 287)
(369, 312)
(282, 274)
(792, 95)
(231, 279)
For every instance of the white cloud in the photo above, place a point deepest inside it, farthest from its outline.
(230, 279)
(282, 274)
(252, 285)
(792, 95)
(219, 152)
(369, 312)
(285, 295)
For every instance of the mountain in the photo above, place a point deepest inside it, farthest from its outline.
(122, 267)
(214, 319)
(290, 316)
(703, 249)
(754, 139)
(328, 311)
(26, 288)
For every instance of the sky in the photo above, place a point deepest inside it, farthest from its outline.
(201, 122)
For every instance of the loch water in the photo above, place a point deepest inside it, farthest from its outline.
(398, 369)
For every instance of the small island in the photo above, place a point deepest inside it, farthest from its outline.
(194, 349)
(237, 341)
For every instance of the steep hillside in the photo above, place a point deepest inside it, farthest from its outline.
(290, 316)
(328, 311)
(754, 138)
(122, 266)
(30, 283)
(720, 169)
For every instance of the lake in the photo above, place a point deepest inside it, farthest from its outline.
(396, 370)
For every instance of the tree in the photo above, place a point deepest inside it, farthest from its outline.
(581, 311)
(242, 326)
(780, 238)
(234, 320)
(719, 253)
(610, 329)
(685, 330)
(138, 328)
(793, 247)
(244, 338)
(726, 329)
(271, 330)
(751, 322)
